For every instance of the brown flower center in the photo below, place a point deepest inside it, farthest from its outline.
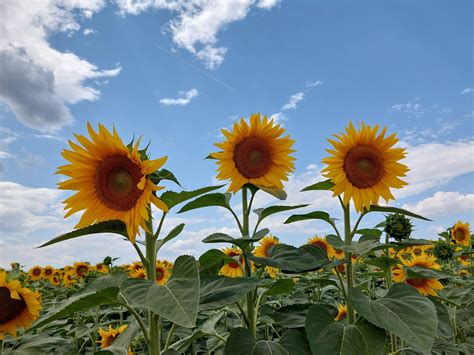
(417, 282)
(82, 270)
(116, 182)
(459, 235)
(36, 272)
(160, 273)
(48, 272)
(320, 244)
(363, 166)
(9, 307)
(417, 251)
(253, 157)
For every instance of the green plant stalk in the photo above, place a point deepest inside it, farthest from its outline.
(348, 241)
(169, 337)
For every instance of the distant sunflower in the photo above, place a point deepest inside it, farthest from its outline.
(322, 243)
(255, 154)
(111, 181)
(341, 312)
(55, 280)
(234, 268)
(461, 234)
(48, 272)
(107, 337)
(35, 273)
(19, 306)
(272, 272)
(138, 274)
(69, 278)
(418, 249)
(425, 286)
(266, 244)
(338, 253)
(364, 166)
(102, 268)
(136, 265)
(81, 269)
(163, 272)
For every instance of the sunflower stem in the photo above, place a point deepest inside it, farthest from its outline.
(348, 256)
(169, 337)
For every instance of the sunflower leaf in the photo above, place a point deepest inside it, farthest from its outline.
(163, 174)
(322, 185)
(215, 199)
(278, 193)
(171, 198)
(117, 227)
(213, 257)
(241, 342)
(420, 272)
(321, 215)
(268, 211)
(171, 235)
(389, 209)
(280, 287)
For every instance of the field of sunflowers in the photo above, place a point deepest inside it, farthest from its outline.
(365, 291)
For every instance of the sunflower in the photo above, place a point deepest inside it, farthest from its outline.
(107, 337)
(461, 234)
(255, 154)
(234, 268)
(47, 272)
(163, 272)
(19, 306)
(272, 272)
(69, 278)
(55, 280)
(338, 253)
(136, 265)
(81, 269)
(138, 274)
(102, 268)
(425, 286)
(364, 165)
(341, 312)
(35, 273)
(266, 244)
(418, 249)
(111, 181)
(322, 243)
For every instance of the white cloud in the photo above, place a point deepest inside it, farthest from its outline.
(313, 83)
(294, 99)
(467, 91)
(211, 56)
(435, 164)
(26, 28)
(278, 117)
(184, 98)
(412, 109)
(267, 4)
(88, 31)
(442, 203)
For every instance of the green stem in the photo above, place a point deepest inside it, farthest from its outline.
(155, 335)
(139, 320)
(389, 272)
(169, 337)
(348, 256)
(141, 255)
(242, 312)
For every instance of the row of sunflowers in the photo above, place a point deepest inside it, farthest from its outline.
(371, 290)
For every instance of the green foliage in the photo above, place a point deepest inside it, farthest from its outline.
(398, 227)
(241, 342)
(171, 198)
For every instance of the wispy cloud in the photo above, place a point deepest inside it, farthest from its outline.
(88, 31)
(267, 4)
(313, 83)
(293, 102)
(467, 91)
(184, 98)
(440, 202)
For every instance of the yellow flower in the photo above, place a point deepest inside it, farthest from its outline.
(163, 272)
(102, 268)
(233, 269)
(19, 306)
(55, 280)
(255, 154)
(425, 286)
(322, 243)
(341, 312)
(138, 274)
(338, 253)
(81, 269)
(272, 272)
(35, 273)
(265, 246)
(111, 181)
(461, 234)
(364, 166)
(69, 278)
(418, 249)
(107, 337)
(47, 272)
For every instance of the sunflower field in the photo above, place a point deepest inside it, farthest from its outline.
(356, 291)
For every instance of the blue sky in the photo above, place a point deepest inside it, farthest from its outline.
(176, 74)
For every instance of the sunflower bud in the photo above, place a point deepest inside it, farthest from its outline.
(398, 227)
(443, 251)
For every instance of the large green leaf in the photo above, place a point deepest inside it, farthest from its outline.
(171, 198)
(280, 287)
(240, 242)
(295, 342)
(420, 272)
(215, 199)
(213, 257)
(322, 185)
(383, 262)
(326, 336)
(219, 291)
(291, 316)
(360, 248)
(117, 227)
(241, 342)
(388, 209)
(268, 211)
(171, 235)
(444, 322)
(320, 215)
(163, 174)
(403, 311)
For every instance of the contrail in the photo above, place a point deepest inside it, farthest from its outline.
(195, 67)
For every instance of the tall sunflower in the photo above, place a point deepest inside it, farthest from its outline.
(364, 165)
(81, 269)
(111, 181)
(255, 153)
(163, 272)
(266, 244)
(322, 243)
(19, 306)
(35, 273)
(234, 268)
(48, 272)
(425, 286)
(461, 234)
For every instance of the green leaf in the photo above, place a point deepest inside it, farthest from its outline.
(362, 247)
(322, 185)
(444, 321)
(326, 336)
(240, 242)
(369, 231)
(241, 342)
(219, 291)
(295, 342)
(117, 227)
(268, 211)
(163, 174)
(383, 262)
(277, 193)
(121, 344)
(215, 199)
(403, 311)
(213, 257)
(388, 209)
(420, 272)
(292, 316)
(171, 198)
(77, 303)
(280, 287)
(171, 235)
(178, 299)
(312, 215)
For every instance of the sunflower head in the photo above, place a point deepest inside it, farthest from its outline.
(265, 246)
(398, 227)
(19, 306)
(322, 243)
(35, 273)
(234, 268)
(364, 165)
(102, 268)
(341, 312)
(255, 153)
(81, 269)
(107, 337)
(112, 181)
(272, 272)
(55, 280)
(443, 251)
(461, 234)
(48, 272)
(163, 272)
